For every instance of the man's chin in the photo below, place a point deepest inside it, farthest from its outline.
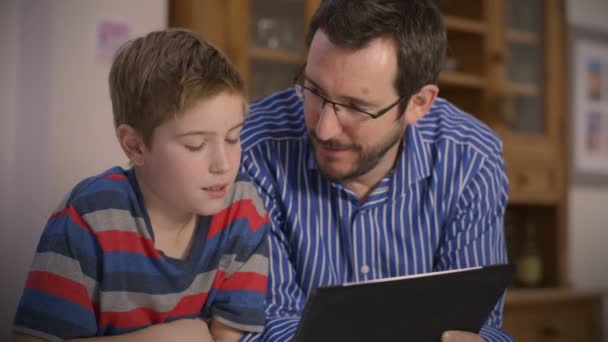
(332, 173)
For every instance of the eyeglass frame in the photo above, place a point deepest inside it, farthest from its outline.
(297, 83)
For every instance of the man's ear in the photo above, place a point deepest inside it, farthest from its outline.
(420, 103)
(131, 143)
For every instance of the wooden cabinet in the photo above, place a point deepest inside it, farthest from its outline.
(264, 38)
(506, 65)
(554, 316)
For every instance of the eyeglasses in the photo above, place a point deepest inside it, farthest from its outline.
(350, 111)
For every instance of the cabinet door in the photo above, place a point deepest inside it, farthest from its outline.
(529, 86)
(277, 49)
(463, 80)
(265, 39)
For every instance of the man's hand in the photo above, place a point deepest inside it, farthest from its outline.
(460, 336)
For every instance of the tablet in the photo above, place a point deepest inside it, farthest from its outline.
(410, 308)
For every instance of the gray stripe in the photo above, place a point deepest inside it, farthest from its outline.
(255, 264)
(121, 301)
(245, 190)
(116, 219)
(64, 266)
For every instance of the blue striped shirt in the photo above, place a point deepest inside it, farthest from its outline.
(441, 208)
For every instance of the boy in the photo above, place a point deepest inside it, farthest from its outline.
(173, 248)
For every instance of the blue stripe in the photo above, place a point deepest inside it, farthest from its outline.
(61, 317)
(245, 298)
(441, 208)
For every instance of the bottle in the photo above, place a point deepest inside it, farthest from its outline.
(529, 264)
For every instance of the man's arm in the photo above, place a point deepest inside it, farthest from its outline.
(475, 235)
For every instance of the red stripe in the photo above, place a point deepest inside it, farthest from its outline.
(121, 241)
(219, 279)
(188, 305)
(238, 210)
(116, 176)
(75, 216)
(59, 286)
(246, 281)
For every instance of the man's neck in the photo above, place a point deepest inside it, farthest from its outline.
(363, 185)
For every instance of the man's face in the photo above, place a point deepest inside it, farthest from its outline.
(194, 158)
(348, 146)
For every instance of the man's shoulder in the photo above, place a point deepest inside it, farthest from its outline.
(447, 125)
(278, 117)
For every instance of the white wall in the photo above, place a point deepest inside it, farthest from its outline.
(56, 121)
(588, 214)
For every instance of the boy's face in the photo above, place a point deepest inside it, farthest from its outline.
(194, 159)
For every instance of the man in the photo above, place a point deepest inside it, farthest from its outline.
(365, 173)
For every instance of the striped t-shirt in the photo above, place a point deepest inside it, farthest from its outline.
(96, 271)
(440, 208)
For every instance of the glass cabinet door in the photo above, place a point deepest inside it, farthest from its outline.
(276, 41)
(522, 104)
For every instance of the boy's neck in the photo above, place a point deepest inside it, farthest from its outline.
(173, 228)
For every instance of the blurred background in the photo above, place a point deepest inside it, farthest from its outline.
(536, 71)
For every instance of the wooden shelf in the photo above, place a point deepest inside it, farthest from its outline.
(465, 25)
(522, 37)
(461, 79)
(552, 294)
(273, 55)
(524, 89)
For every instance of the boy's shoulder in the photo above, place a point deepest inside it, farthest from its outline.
(245, 190)
(109, 189)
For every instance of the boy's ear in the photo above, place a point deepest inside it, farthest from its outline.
(131, 143)
(420, 103)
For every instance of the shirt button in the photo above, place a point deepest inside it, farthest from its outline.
(364, 269)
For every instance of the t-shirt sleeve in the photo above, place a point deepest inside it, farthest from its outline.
(243, 281)
(58, 300)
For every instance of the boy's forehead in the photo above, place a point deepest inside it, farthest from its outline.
(215, 115)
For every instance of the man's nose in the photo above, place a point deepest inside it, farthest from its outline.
(328, 124)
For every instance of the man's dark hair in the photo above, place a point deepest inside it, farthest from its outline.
(416, 26)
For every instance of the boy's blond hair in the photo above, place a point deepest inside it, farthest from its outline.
(160, 76)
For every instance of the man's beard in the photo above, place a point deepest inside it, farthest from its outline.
(366, 160)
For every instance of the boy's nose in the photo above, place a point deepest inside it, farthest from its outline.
(219, 163)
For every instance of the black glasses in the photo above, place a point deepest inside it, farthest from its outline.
(321, 100)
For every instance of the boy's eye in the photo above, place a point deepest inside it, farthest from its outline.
(233, 141)
(195, 148)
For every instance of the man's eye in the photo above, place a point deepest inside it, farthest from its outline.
(356, 108)
(195, 148)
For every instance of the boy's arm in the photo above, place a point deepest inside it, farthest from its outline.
(183, 330)
(223, 333)
(242, 279)
(60, 294)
